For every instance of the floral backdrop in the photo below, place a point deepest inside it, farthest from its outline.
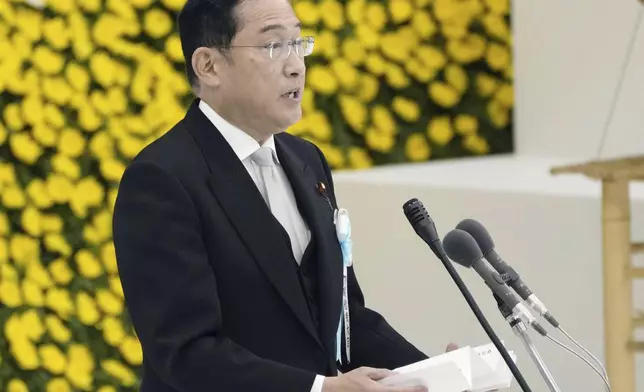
(85, 84)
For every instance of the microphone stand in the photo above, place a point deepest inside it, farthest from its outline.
(520, 330)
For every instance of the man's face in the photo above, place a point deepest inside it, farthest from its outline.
(258, 92)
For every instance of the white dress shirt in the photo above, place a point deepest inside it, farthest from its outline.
(244, 146)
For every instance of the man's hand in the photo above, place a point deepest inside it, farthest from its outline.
(364, 380)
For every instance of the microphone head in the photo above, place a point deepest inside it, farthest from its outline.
(480, 234)
(420, 220)
(461, 247)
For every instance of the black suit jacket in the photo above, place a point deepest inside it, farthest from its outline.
(209, 281)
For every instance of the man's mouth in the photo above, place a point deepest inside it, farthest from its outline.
(293, 94)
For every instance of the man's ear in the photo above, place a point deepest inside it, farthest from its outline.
(205, 63)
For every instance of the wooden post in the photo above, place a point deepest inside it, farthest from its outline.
(618, 308)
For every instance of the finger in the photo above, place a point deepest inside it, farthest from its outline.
(378, 374)
(415, 388)
(451, 347)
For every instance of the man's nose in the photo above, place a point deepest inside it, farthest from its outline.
(294, 65)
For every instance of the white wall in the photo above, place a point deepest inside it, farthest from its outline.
(568, 58)
(547, 227)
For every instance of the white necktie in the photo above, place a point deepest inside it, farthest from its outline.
(273, 185)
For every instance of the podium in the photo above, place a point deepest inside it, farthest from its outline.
(619, 272)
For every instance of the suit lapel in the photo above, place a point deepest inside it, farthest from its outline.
(319, 216)
(243, 203)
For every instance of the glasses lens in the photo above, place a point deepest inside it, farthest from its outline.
(305, 46)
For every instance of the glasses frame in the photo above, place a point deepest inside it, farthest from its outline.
(290, 43)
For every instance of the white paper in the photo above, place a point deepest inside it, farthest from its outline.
(477, 369)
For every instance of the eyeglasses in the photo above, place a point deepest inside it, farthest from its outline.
(281, 50)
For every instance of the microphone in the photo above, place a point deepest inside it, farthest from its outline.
(486, 244)
(426, 229)
(461, 247)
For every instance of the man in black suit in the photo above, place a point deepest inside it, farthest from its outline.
(224, 227)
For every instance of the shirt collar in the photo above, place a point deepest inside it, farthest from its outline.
(242, 143)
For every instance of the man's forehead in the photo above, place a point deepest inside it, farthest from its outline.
(262, 16)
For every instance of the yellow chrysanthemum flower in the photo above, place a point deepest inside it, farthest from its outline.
(383, 120)
(379, 141)
(65, 165)
(25, 148)
(345, 73)
(56, 90)
(13, 197)
(355, 11)
(4, 254)
(376, 15)
(106, 388)
(77, 77)
(57, 243)
(322, 80)
(17, 385)
(440, 130)
(505, 95)
(367, 36)
(332, 14)
(56, 33)
(359, 158)
(498, 6)
(444, 94)
(113, 331)
(54, 116)
(466, 124)
(32, 293)
(44, 135)
(401, 10)
(353, 111)
(25, 354)
(320, 127)
(116, 287)
(173, 48)
(326, 44)
(87, 264)
(59, 187)
(173, 5)
(13, 117)
(423, 24)
(48, 61)
(157, 23)
(61, 272)
(119, 371)
(10, 293)
(86, 309)
(499, 115)
(476, 144)
(52, 223)
(33, 108)
(71, 143)
(353, 51)
(37, 273)
(498, 56)
(368, 87)
(81, 365)
(486, 84)
(60, 302)
(4, 224)
(417, 148)
(29, 22)
(24, 250)
(53, 359)
(457, 77)
(57, 329)
(406, 108)
(131, 350)
(396, 77)
(31, 221)
(307, 12)
(102, 145)
(58, 384)
(112, 169)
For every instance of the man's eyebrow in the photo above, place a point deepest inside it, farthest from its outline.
(270, 27)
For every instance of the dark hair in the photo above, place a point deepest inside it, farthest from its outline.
(209, 23)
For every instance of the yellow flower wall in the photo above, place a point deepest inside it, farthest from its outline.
(86, 84)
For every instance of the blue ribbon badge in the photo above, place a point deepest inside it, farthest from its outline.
(343, 231)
